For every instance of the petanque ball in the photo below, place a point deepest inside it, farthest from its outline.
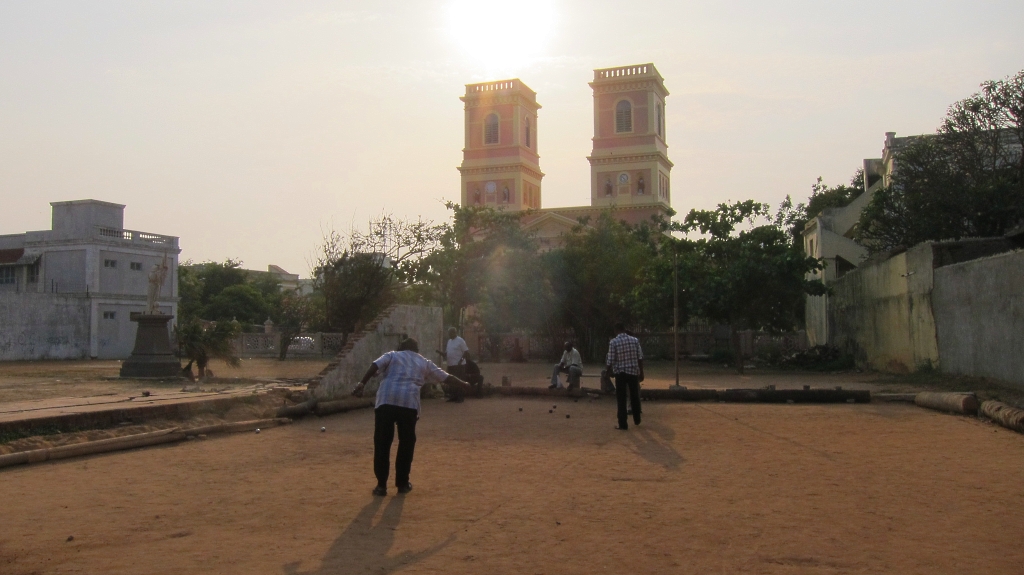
(567, 416)
(257, 431)
(554, 407)
(520, 409)
(323, 429)
(551, 411)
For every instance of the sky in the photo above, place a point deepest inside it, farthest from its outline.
(250, 129)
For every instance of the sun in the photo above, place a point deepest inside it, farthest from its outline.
(503, 36)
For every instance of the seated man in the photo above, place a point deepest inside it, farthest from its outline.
(570, 364)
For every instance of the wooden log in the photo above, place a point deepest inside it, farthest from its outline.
(795, 395)
(132, 441)
(1005, 415)
(679, 394)
(962, 403)
(92, 447)
(538, 391)
(343, 405)
(235, 426)
(299, 410)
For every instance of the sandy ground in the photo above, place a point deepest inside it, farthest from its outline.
(30, 380)
(698, 488)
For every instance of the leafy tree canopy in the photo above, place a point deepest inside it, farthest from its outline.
(967, 180)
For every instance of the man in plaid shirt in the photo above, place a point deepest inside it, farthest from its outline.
(626, 361)
(398, 404)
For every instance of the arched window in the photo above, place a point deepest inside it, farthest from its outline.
(657, 109)
(623, 116)
(608, 186)
(491, 129)
(527, 132)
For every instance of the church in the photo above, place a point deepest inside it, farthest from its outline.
(629, 165)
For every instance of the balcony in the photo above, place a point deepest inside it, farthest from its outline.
(144, 239)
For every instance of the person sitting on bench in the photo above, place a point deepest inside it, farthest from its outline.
(570, 364)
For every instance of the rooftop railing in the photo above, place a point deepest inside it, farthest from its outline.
(137, 237)
(624, 71)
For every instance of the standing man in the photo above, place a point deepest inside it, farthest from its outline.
(626, 362)
(456, 355)
(570, 364)
(398, 404)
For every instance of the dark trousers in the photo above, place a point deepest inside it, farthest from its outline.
(386, 418)
(627, 384)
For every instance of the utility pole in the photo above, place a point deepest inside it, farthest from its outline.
(675, 307)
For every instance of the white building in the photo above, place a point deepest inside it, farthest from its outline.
(69, 292)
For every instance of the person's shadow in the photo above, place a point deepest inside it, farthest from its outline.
(653, 442)
(363, 546)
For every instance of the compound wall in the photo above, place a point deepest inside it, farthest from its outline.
(979, 316)
(43, 326)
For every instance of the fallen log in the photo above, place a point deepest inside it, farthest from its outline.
(92, 447)
(679, 394)
(538, 391)
(343, 405)
(962, 403)
(296, 411)
(1005, 415)
(131, 441)
(794, 395)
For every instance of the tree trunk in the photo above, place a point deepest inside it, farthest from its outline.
(737, 351)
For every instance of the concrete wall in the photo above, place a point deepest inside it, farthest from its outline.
(979, 316)
(425, 324)
(43, 326)
(881, 313)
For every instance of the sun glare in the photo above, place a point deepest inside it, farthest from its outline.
(503, 36)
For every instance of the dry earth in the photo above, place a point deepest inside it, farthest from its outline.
(698, 488)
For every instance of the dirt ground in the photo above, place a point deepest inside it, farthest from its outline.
(697, 488)
(29, 380)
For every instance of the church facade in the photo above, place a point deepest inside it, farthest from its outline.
(630, 172)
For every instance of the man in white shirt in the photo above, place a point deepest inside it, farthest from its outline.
(456, 355)
(398, 405)
(570, 364)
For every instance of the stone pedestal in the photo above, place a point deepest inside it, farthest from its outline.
(152, 356)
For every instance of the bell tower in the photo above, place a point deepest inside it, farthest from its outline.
(500, 165)
(629, 164)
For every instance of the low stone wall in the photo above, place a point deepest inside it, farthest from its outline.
(425, 324)
(979, 316)
(43, 326)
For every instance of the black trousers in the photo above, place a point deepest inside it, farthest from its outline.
(627, 384)
(386, 418)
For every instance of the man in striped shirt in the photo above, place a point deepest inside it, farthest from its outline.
(626, 362)
(398, 404)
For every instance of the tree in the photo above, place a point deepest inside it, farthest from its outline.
(597, 275)
(200, 341)
(749, 278)
(967, 180)
(794, 217)
(359, 275)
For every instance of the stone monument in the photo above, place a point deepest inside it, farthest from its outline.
(152, 356)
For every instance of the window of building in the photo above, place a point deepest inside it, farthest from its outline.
(33, 273)
(110, 263)
(110, 315)
(527, 132)
(8, 275)
(137, 266)
(624, 116)
(657, 110)
(491, 129)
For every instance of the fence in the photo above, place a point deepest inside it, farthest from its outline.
(698, 340)
(316, 344)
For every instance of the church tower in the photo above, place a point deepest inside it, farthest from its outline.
(500, 165)
(629, 164)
